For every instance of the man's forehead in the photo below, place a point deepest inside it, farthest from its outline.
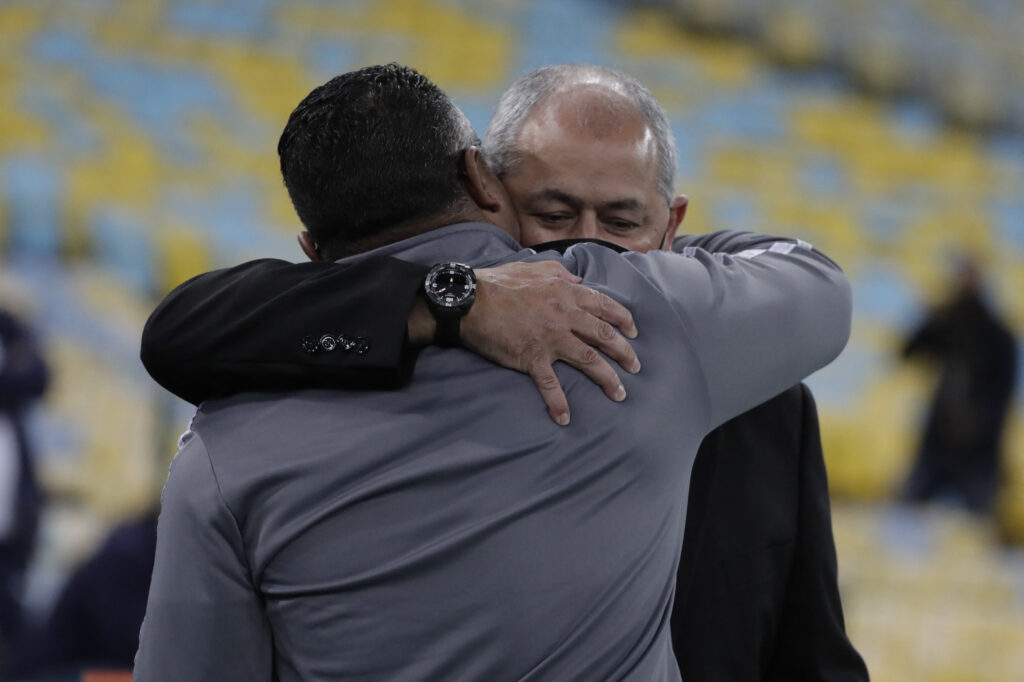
(584, 160)
(588, 112)
(570, 198)
(586, 153)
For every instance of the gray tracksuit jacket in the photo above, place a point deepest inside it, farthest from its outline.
(449, 530)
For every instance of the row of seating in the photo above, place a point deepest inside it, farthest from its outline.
(154, 158)
(137, 148)
(929, 594)
(965, 57)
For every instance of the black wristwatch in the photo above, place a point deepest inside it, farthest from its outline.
(450, 289)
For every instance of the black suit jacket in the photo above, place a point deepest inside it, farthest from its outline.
(756, 592)
(262, 326)
(757, 597)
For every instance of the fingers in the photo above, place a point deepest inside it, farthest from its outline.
(567, 348)
(530, 315)
(551, 392)
(607, 309)
(594, 325)
(587, 360)
(595, 333)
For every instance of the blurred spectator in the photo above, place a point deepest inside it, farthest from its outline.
(96, 620)
(958, 457)
(23, 379)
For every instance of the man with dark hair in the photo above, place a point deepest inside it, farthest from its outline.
(400, 162)
(449, 530)
(757, 595)
(393, 157)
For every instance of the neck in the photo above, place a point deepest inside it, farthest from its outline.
(410, 228)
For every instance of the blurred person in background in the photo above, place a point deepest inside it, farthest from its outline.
(95, 621)
(757, 595)
(958, 458)
(23, 380)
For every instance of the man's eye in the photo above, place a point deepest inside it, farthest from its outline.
(554, 218)
(622, 225)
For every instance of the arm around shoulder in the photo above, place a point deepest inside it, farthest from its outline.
(273, 325)
(760, 315)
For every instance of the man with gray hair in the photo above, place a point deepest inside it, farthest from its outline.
(569, 168)
(756, 594)
(587, 152)
(628, 96)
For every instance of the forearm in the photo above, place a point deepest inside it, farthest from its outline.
(731, 242)
(760, 316)
(272, 325)
(422, 325)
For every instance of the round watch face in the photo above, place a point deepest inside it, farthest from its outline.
(450, 287)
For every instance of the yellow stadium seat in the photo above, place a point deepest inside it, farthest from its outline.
(182, 253)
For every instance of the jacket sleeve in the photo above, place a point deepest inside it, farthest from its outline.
(274, 325)
(759, 313)
(812, 643)
(204, 618)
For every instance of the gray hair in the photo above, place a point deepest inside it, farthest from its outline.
(535, 87)
(462, 134)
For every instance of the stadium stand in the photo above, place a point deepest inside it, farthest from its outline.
(963, 56)
(137, 147)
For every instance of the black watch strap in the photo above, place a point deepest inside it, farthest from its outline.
(450, 289)
(446, 333)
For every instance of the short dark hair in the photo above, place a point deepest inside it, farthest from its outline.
(369, 151)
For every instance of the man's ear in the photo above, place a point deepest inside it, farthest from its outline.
(676, 213)
(482, 184)
(310, 247)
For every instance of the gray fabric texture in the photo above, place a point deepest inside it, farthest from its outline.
(449, 530)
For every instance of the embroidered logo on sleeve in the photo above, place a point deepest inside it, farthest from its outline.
(776, 247)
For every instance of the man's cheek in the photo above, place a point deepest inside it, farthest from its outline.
(532, 233)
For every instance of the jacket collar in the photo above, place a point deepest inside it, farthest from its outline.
(476, 244)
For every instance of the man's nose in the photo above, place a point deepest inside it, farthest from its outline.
(588, 227)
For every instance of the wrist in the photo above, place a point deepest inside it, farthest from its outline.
(449, 291)
(422, 325)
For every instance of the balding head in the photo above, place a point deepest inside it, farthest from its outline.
(587, 113)
(586, 152)
(593, 99)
